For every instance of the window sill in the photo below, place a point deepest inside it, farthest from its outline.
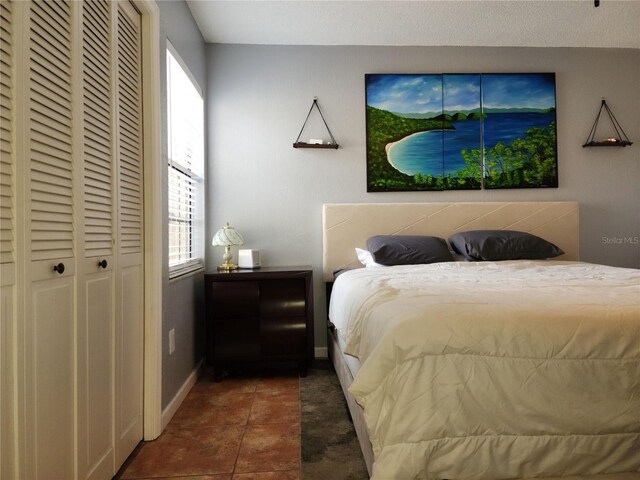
(186, 271)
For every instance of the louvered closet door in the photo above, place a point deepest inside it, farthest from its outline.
(7, 229)
(72, 258)
(50, 300)
(7, 166)
(96, 328)
(129, 262)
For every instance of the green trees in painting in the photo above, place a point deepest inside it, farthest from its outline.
(525, 161)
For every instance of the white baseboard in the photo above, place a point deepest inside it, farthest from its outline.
(174, 404)
(321, 352)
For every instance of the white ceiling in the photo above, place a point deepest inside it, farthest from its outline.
(531, 23)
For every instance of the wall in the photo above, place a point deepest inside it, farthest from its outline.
(259, 97)
(182, 298)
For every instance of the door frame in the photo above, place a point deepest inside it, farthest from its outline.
(153, 219)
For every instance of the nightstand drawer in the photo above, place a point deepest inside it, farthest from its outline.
(283, 336)
(283, 298)
(234, 299)
(236, 337)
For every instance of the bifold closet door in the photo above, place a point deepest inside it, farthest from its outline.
(129, 265)
(49, 276)
(96, 321)
(110, 322)
(71, 239)
(7, 239)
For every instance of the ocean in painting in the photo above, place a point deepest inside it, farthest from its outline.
(437, 152)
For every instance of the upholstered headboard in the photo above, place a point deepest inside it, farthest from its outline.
(346, 226)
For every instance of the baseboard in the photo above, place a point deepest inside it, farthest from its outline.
(174, 404)
(321, 352)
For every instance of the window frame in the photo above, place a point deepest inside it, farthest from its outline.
(196, 231)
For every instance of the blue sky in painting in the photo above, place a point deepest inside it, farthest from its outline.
(423, 93)
(533, 90)
(461, 92)
(405, 93)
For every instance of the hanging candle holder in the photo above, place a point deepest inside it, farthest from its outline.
(620, 141)
(315, 143)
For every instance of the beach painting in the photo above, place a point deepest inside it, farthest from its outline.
(460, 131)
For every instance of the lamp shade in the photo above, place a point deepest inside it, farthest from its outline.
(226, 237)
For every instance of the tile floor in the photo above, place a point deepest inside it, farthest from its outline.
(244, 428)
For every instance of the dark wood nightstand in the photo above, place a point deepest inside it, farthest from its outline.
(259, 317)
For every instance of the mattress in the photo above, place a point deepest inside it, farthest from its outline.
(495, 369)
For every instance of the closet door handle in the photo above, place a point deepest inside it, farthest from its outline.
(59, 268)
(102, 264)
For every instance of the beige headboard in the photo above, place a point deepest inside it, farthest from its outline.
(348, 225)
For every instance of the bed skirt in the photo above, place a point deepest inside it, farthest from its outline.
(357, 417)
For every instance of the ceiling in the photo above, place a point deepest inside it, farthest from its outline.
(520, 23)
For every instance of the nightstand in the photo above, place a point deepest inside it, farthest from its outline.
(259, 317)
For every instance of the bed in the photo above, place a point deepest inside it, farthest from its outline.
(511, 369)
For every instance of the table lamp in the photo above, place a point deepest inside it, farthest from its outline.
(226, 237)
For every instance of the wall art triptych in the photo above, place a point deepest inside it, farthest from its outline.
(460, 131)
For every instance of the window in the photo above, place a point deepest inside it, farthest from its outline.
(185, 134)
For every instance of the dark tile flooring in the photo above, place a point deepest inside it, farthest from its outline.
(244, 428)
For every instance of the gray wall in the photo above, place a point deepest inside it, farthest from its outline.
(273, 194)
(182, 298)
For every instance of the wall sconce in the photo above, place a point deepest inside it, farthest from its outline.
(619, 141)
(227, 237)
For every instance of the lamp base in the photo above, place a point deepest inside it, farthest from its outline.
(227, 267)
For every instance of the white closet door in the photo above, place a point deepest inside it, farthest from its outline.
(49, 293)
(71, 238)
(96, 328)
(7, 252)
(129, 262)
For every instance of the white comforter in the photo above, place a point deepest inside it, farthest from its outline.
(495, 370)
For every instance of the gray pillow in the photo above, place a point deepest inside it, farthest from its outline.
(408, 249)
(491, 245)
